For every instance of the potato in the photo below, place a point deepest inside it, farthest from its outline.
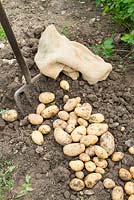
(131, 197)
(37, 137)
(79, 174)
(10, 115)
(82, 122)
(78, 100)
(72, 118)
(87, 106)
(63, 115)
(73, 149)
(129, 188)
(70, 104)
(100, 162)
(100, 170)
(88, 140)
(90, 151)
(59, 123)
(50, 111)
(124, 174)
(84, 157)
(78, 133)
(92, 179)
(100, 152)
(131, 150)
(108, 183)
(97, 129)
(132, 171)
(62, 137)
(40, 108)
(44, 129)
(90, 166)
(65, 98)
(96, 118)
(76, 165)
(46, 97)
(64, 85)
(70, 128)
(35, 119)
(107, 143)
(117, 156)
(83, 112)
(118, 193)
(76, 184)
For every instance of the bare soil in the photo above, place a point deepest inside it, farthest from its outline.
(114, 98)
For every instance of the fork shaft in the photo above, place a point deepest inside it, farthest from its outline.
(12, 40)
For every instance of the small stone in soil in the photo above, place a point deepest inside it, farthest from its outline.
(67, 194)
(39, 150)
(88, 192)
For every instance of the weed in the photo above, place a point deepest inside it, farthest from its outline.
(25, 188)
(2, 34)
(65, 30)
(6, 181)
(106, 48)
(2, 111)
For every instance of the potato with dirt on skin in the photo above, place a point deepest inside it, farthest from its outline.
(107, 142)
(76, 165)
(90, 166)
(37, 137)
(10, 115)
(129, 187)
(83, 112)
(70, 104)
(131, 150)
(131, 197)
(92, 179)
(63, 115)
(40, 108)
(100, 152)
(118, 193)
(64, 85)
(100, 170)
(88, 140)
(72, 118)
(100, 162)
(82, 122)
(132, 171)
(46, 97)
(65, 98)
(44, 129)
(50, 112)
(77, 133)
(62, 137)
(96, 118)
(76, 184)
(79, 174)
(87, 106)
(124, 174)
(117, 156)
(70, 128)
(59, 123)
(84, 157)
(73, 149)
(109, 183)
(97, 129)
(35, 119)
(90, 151)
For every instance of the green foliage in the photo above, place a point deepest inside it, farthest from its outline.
(65, 30)
(2, 34)
(105, 49)
(25, 188)
(6, 181)
(2, 111)
(122, 11)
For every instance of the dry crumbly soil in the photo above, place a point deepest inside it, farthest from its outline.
(114, 98)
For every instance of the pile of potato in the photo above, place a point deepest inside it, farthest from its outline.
(84, 137)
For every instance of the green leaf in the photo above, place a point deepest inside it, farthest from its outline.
(28, 177)
(129, 38)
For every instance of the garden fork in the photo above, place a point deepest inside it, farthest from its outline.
(24, 68)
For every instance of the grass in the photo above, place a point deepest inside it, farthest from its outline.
(2, 34)
(25, 188)
(6, 181)
(65, 30)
